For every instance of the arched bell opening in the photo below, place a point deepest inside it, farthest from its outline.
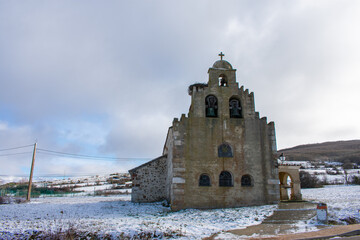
(211, 106)
(235, 108)
(223, 81)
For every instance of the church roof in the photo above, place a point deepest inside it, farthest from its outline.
(147, 163)
(222, 64)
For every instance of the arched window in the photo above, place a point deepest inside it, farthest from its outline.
(224, 150)
(223, 81)
(211, 105)
(246, 181)
(235, 108)
(225, 179)
(204, 180)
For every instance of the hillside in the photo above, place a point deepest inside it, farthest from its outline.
(339, 151)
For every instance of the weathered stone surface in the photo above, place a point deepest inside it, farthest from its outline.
(192, 148)
(149, 181)
(293, 173)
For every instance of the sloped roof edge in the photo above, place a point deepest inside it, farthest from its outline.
(147, 163)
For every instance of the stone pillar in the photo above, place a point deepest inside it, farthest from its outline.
(283, 193)
(296, 190)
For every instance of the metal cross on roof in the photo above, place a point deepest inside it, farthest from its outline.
(221, 55)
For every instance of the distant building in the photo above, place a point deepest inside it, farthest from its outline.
(221, 155)
(333, 164)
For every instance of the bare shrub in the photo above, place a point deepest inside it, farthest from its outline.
(308, 180)
(20, 200)
(355, 180)
(350, 220)
(108, 193)
(4, 200)
(324, 181)
(8, 200)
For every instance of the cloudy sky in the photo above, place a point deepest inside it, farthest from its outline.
(106, 78)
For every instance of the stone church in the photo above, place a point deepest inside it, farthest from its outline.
(222, 154)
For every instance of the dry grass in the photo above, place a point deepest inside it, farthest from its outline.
(340, 151)
(71, 233)
(4, 200)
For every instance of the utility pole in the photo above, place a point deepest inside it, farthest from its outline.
(31, 173)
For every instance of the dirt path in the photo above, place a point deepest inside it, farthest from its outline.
(285, 224)
(339, 232)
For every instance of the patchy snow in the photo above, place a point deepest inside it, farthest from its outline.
(342, 201)
(7, 179)
(231, 236)
(94, 188)
(117, 216)
(324, 175)
(300, 227)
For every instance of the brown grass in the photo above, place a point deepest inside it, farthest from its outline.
(339, 151)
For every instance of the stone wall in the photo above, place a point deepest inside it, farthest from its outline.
(149, 180)
(177, 191)
(168, 150)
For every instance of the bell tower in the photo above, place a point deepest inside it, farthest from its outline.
(220, 97)
(222, 74)
(220, 155)
(225, 152)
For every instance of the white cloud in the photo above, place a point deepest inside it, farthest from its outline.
(108, 79)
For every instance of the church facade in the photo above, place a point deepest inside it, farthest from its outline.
(222, 154)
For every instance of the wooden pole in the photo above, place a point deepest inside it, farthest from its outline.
(31, 173)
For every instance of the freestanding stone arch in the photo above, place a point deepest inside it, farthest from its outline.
(292, 172)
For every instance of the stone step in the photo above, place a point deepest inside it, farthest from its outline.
(292, 212)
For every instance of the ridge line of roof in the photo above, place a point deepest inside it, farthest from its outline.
(144, 164)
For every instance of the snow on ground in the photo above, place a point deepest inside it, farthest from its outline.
(322, 175)
(342, 201)
(7, 179)
(94, 188)
(117, 216)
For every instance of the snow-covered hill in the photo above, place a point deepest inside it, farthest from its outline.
(116, 183)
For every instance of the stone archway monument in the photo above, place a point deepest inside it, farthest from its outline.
(289, 172)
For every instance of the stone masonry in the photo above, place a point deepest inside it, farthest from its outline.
(220, 155)
(146, 180)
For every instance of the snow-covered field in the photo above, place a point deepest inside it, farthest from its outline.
(323, 175)
(342, 201)
(116, 216)
(108, 184)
